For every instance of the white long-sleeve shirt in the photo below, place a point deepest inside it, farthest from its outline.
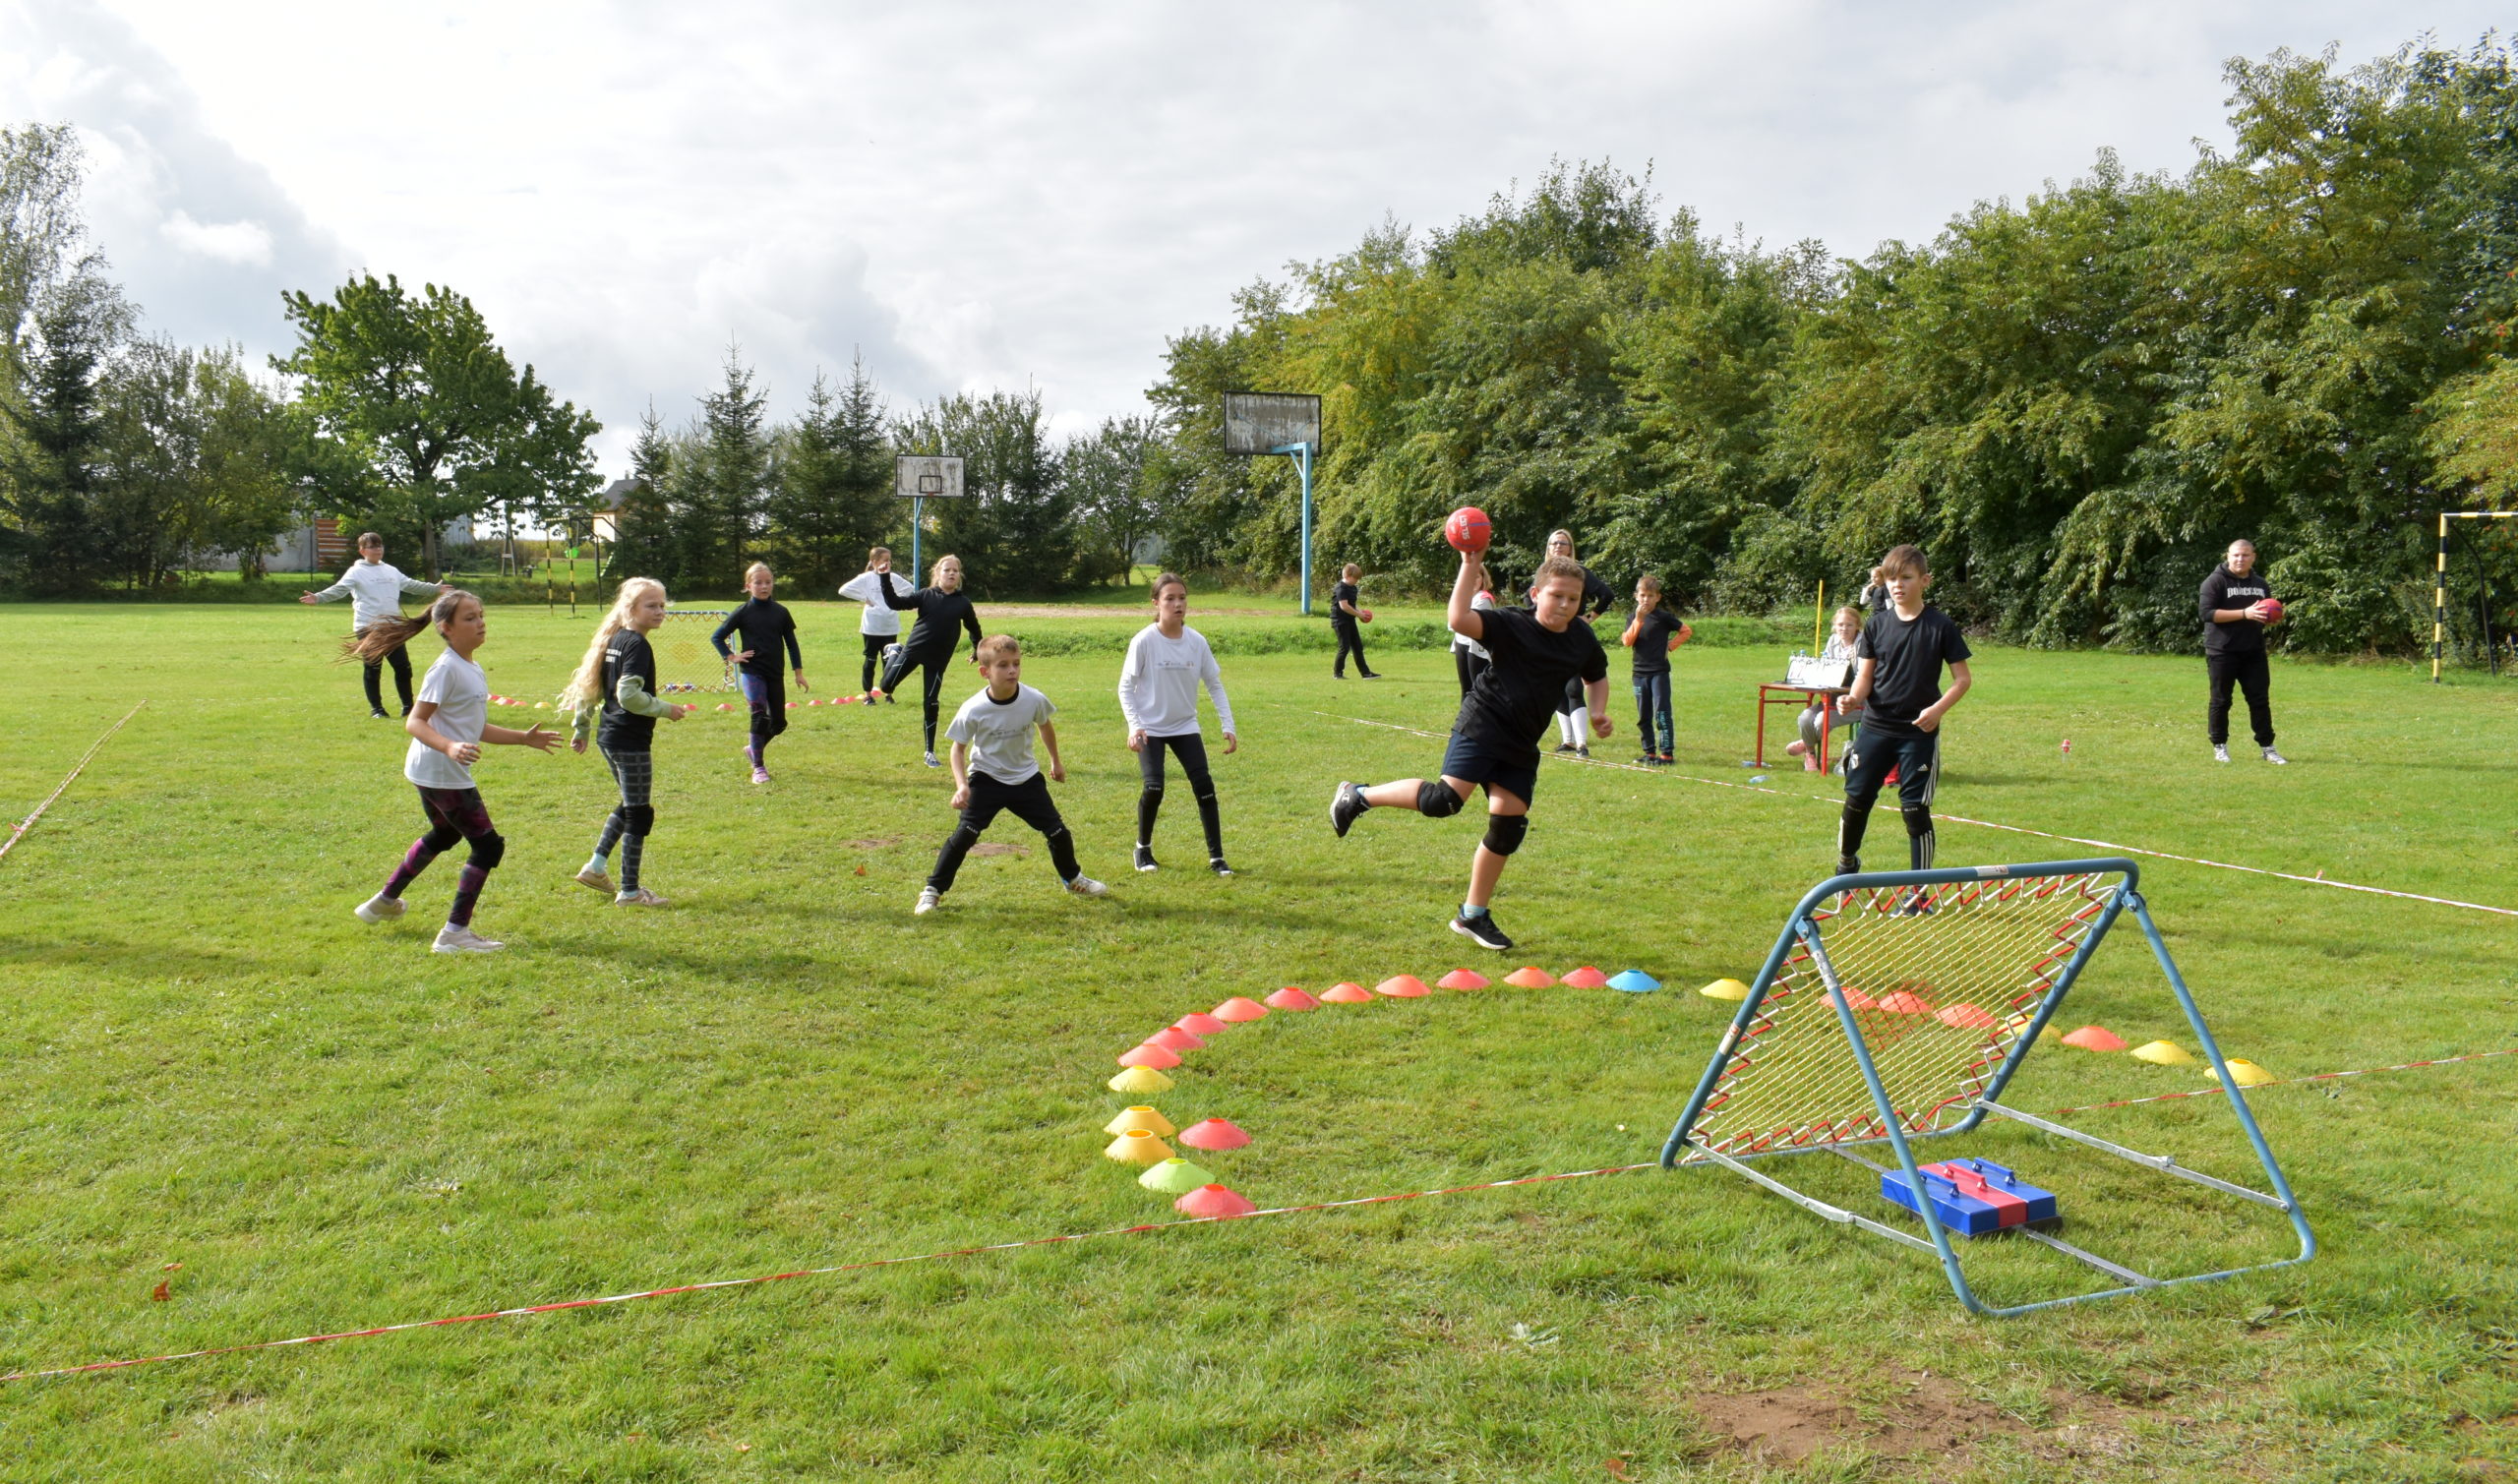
(375, 590)
(1159, 683)
(868, 588)
(1484, 602)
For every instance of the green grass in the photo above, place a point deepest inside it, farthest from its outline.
(209, 1062)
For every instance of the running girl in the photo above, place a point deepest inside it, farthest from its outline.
(878, 627)
(1159, 697)
(1652, 633)
(447, 727)
(939, 607)
(763, 625)
(616, 681)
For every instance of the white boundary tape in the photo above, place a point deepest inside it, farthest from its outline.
(19, 831)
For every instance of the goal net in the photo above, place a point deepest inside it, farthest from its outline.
(685, 662)
(1896, 1006)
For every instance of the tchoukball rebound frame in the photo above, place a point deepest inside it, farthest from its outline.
(1874, 919)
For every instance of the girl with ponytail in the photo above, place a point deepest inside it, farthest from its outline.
(616, 686)
(449, 725)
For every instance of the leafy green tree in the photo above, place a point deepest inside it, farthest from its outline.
(55, 463)
(1013, 531)
(1118, 483)
(195, 461)
(412, 395)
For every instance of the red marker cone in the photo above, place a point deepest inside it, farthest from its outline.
(1967, 1018)
(1345, 994)
(1212, 1200)
(1200, 1022)
(1156, 1057)
(1531, 976)
(1905, 1002)
(1174, 1039)
(1463, 979)
(1240, 1008)
(1293, 997)
(1586, 978)
(1213, 1134)
(2094, 1038)
(1402, 987)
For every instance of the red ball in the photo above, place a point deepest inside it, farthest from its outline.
(1468, 529)
(2272, 610)
(1364, 614)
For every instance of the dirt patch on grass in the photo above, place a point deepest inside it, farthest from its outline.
(1933, 1419)
(874, 842)
(999, 848)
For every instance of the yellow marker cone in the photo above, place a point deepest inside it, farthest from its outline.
(1139, 1080)
(2163, 1054)
(1731, 989)
(2245, 1073)
(1141, 1117)
(1137, 1147)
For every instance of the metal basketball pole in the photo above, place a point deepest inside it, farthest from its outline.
(1302, 465)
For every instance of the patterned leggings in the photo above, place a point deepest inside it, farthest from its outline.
(454, 814)
(628, 822)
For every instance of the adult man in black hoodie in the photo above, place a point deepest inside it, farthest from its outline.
(2234, 604)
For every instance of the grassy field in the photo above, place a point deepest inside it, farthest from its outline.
(210, 1063)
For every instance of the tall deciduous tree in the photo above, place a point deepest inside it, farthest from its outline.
(1012, 533)
(413, 393)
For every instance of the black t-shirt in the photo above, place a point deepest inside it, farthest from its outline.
(937, 613)
(1344, 592)
(1653, 635)
(2226, 589)
(763, 623)
(626, 731)
(1905, 676)
(1517, 697)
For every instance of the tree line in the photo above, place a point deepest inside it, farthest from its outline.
(2073, 402)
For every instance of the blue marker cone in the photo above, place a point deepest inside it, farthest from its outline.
(1635, 981)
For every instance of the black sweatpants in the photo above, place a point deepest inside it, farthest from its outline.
(1917, 758)
(876, 644)
(1470, 667)
(1350, 637)
(1191, 749)
(1030, 801)
(401, 663)
(934, 663)
(2251, 674)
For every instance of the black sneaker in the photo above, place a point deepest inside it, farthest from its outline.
(1647, 760)
(1918, 902)
(1482, 931)
(1216, 863)
(1583, 753)
(1848, 865)
(1145, 858)
(1347, 803)
(378, 715)
(1665, 760)
(1564, 746)
(1372, 674)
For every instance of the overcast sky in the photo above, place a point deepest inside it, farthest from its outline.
(982, 196)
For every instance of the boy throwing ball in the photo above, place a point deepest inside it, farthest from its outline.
(994, 771)
(1896, 686)
(1495, 739)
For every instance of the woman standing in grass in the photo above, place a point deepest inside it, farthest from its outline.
(1159, 683)
(941, 610)
(449, 725)
(616, 681)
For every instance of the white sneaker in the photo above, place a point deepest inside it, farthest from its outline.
(1086, 886)
(2220, 752)
(934, 761)
(379, 909)
(595, 877)
(639, 898)
(453, 940)
(2274, 758)
(927, 902)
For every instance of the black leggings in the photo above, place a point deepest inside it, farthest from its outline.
(1030, 801)
(767, 696)
(876, 644)
(934, 663)
(1349, 637)
(1191, 749)
(401, 663)
(1469, 666)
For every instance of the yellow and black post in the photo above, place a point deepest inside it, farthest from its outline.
(2439, 601)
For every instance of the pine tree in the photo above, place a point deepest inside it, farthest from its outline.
(831, 498)
(646, 543)
(721, 501)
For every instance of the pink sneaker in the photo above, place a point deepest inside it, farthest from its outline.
(760, 774)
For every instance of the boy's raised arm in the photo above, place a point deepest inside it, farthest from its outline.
(1462, 616)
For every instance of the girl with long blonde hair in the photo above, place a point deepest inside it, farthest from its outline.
(449, 725)
(613, 695)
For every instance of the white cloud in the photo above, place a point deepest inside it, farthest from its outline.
(240, 242)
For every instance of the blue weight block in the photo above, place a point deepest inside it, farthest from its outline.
(2013, 1203)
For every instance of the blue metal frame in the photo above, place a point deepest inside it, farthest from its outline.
(1302, 453)
(1801, 928)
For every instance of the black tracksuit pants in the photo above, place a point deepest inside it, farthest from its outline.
(1029, 802)
(2251, 675)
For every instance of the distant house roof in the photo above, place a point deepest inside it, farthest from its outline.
(614, 494)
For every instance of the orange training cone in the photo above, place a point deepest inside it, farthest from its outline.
(2094, 1038)
(1586, 978)
(1967, 1018)
(1174, 1039)
(1529, 977)
(1855, 999)
(1139, 1080)
(1293, 997)
(1137, 1147)
(1905, 1002)
(1212, 1200)
(1215, 1133)
(1149, 1119)
(1402, 987)
(1345, 994)
(1240, 1008)
(1153, 1056)
(1200, 1022)
(1463, 979)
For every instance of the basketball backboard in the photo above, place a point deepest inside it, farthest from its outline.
(927, 476)
(1264, 422)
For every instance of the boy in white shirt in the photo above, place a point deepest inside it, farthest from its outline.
(1159, 683)
(994, 771)
(375, 592)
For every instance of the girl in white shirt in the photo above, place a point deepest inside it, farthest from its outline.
(447, 727)
(878, 628)
(1159, 695)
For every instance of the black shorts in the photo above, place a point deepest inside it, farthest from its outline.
(1465, 759)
